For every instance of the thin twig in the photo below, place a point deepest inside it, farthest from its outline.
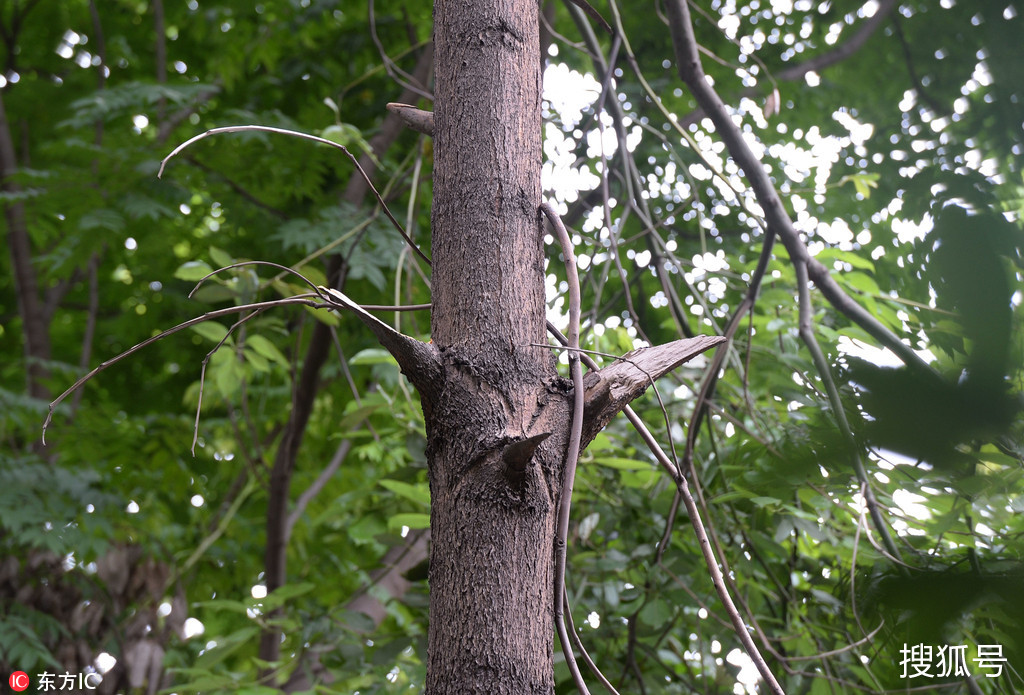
(202, 371)
(583, 650)
(317, 485)
(821, 364)
(306, 299)
(304, 136)
(396, 73)
(573, 450)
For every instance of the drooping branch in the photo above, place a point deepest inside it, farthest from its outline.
(304, 136)
(572, 452)
(692, 73)
(816, 63)
(306, 299)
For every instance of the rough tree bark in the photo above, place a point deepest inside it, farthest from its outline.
(492, 524)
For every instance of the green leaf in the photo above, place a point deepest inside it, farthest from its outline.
(372, 356)
(220, 257)
(193, 271)
(211, 330)
(655, 613)
(110, 220)
(862, 182)
(419, 493)
(281, 595)
(622, 464)
(357, 416)
(267, 349)
(413, 521)
(258, 361)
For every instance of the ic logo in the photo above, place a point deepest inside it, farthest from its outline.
(19, 681)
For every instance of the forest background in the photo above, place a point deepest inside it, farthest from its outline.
(855, 446)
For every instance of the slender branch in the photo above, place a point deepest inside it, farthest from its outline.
(396, 73)
(723, 591)
(211, 538)
(691, 72)
(572, 452)
(234, 185)
(583, 650)
(304, 136)
(843, 50)
(297, 299)
(206, 362)
(317, 485)
(821, 364)
(816, 63)
(912, 72)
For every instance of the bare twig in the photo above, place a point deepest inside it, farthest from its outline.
(583, 650)
(202, 371)
(396, 73)
(573, 450)
(304, 136)
(211, 538)
(306, 299)
(821, 365)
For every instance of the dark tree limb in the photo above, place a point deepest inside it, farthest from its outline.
(275, 558)
(30, 309)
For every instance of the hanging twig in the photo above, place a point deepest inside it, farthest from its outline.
(304, 136)
(396, 73)
(573, 450)
(306, 299)
(583, 650)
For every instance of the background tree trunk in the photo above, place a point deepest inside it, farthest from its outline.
(492, 529)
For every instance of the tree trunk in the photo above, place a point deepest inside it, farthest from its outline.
(493, 515)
